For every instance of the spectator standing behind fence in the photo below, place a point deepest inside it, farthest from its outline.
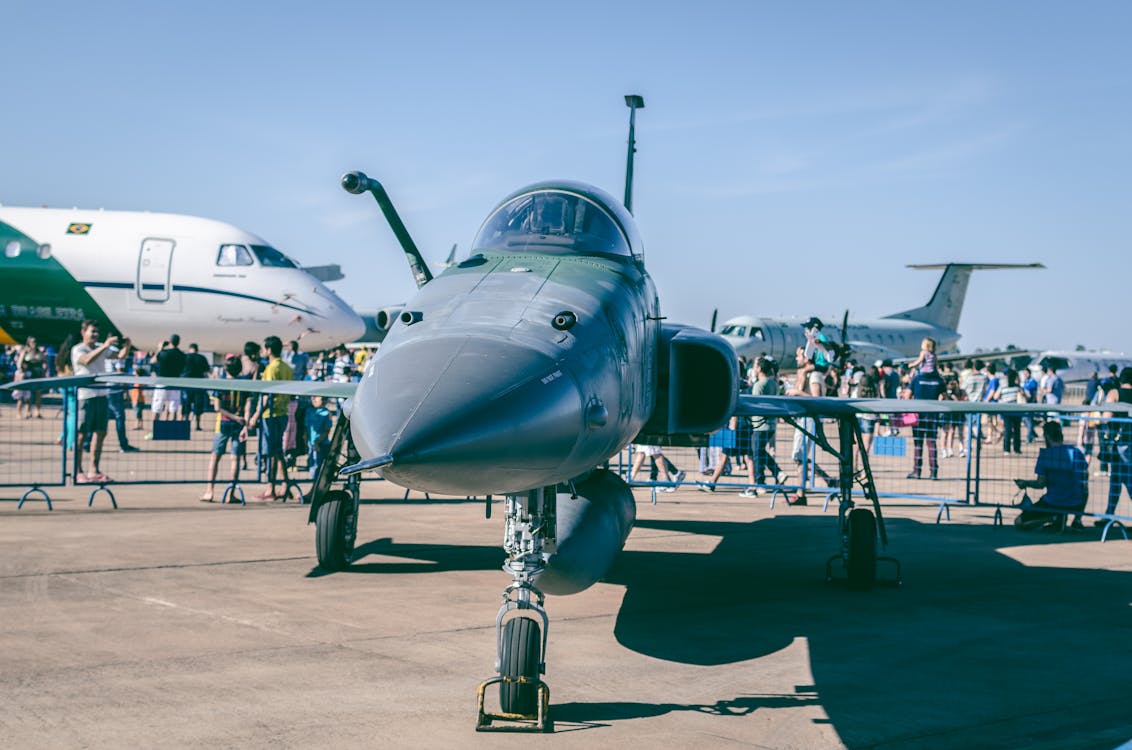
(298, 361)
(170, 364)
(196, 366)
(1120, 435)
(1052, 387)
(273, 410)
(762, 429)
(926, 386)
(250, 362)
(1028, 395)
(640, 453)
(87, 358)
(1008, 393)
(116, 396)
(318, 422)
(974, 385)
(1062, 472)
(232, 409)
(31, 362)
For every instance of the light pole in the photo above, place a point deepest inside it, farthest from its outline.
(633, 102)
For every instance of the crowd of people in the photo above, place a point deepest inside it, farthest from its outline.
(287, 428)
(822, 368)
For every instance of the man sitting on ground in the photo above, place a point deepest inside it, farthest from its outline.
(1063, 473)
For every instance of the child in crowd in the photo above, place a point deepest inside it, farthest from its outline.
(926, 361)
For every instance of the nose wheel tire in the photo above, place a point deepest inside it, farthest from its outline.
(861, 565)
(521, 644)
(335, 529)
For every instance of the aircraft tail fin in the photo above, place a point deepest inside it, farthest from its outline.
(946, 303)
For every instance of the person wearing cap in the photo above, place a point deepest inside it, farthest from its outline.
(819, 357)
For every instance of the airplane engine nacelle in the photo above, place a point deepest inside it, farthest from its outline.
(592, 529)
(697, 383)
(386, 317)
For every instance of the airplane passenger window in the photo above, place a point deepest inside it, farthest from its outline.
(269, 257)
(12, 249)
(234, 255)
(552, 221)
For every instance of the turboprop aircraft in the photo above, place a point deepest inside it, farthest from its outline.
(894, 336)
(147, 275)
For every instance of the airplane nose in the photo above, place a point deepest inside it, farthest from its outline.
(468, 416)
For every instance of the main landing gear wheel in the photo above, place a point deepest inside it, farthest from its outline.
(861, 565)
(336, 527)
(518, 693)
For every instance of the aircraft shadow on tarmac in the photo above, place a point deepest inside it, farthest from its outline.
(972, 637)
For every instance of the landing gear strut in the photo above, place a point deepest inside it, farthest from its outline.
(521, 626)
(860, 528)
(335, 512)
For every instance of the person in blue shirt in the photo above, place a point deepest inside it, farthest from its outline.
(1063, 473)
(1029, 394)
(318, 422)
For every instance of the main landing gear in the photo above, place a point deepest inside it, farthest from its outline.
(521, 626)
(860, 528)
(335, 512)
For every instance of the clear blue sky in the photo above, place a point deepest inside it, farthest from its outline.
(793, 157)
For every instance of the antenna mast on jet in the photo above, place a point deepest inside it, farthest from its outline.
(357, 183)
(634, 102)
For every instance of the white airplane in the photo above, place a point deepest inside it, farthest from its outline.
(894, 336)
(148, 275)
(1079, 366)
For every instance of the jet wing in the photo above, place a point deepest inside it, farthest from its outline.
(45, 384)
(804, 406)
(288, 387)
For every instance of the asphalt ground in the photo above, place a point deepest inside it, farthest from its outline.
(182, 624)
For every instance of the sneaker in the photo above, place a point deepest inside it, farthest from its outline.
(667, 489)
(782, 478)
(679, 476)
(749, 492)
(962, 451)
(913, 475)
(705, 488)
(1100, 522)
(933, 476)
(128, 449)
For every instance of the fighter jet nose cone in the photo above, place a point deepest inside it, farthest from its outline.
(469, 416)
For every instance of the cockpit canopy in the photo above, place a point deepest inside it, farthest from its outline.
(553, 221)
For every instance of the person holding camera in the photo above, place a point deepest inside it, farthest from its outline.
(89, 358)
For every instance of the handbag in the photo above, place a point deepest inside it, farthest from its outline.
(910, 419)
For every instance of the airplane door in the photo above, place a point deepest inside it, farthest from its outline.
(155, 262)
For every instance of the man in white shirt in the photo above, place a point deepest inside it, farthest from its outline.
(89, 358)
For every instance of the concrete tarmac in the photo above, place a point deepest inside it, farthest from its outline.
(177, 623)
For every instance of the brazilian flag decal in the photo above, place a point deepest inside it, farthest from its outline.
(78, 229)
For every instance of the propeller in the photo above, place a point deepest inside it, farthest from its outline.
(844, 350)
(714, 317)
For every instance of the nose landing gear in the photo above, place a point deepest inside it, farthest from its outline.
(522, 623)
